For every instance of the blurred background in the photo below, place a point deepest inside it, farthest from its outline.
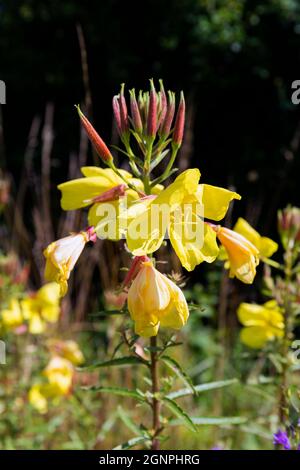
(235, 60)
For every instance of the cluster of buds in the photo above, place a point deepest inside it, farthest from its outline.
(152, 115)
(289, 225)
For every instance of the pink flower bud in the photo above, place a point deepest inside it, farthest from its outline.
(123, 111)
(111, 194)
(152, 112)
(117, 113)
(95, 138)
(135, 113)
(166, 125)
(179, 123)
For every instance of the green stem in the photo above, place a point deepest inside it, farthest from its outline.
(155, 389)
(169, 166)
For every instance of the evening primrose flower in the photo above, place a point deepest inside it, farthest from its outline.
(154, 301)
(62, 255)
(59, 373)
(179, 210)
(42, 307)
(12, 316)
(96, 190)
(262, 323)
(243, 256)
(266, 246)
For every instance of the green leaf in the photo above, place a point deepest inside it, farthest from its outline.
(180, 413)
(131, 443)
(202, 388)
(213, 421)
(123, 392)
(138, 430)
(119, 362)
(172, 364)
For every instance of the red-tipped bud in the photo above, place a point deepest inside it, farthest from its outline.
(91, 233)
(163, 104)
(152, 112)
(123, 111)
(135, 113)
(166, 125)
(111, 194)
(179, 123)
(117, 113)
(95, 138)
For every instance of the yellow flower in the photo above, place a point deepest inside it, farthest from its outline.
(42, 307)
(179, 209)
(62, 255)
(154, 301)
(265, 245)
(262, 323)
(59, 373)
(12, 316)
(68, 349)
(242, 254)
(98, 187)
(37, 397)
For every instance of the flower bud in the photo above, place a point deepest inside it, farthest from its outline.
(163, 104)
(117, 113)
(123, 111)
(135, 113)
(289, 224)
(95, 138)
(152, 112)
(166, 125)
(179, 123)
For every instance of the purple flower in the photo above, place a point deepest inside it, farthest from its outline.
(281, 438)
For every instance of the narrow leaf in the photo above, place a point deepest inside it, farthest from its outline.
(202, 388)
(119, 362)
(175, 367)
(213, 421)
(123, 392)
(131, 443)
(179, 413)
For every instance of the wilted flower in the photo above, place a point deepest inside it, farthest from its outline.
(266, 246)
(154, 301)
(62, 255)
(262, 323)
(243, 256)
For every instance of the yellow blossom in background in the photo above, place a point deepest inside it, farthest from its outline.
(37, 397)
(59, 373)
(243, 256)
(67, 349)
(266, 246)
(42, 307)
(12, 316)
(262, 323)
(154, 301)
(61, 257)
(168, 212)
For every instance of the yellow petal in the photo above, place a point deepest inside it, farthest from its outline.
(267, 247)
(254, 337)
(49, 293)
(215, 200)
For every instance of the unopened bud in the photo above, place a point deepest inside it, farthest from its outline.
(163, 104)
(152, 112)
(179, 123)
(289, 224)
(95, 138)
(135, 113)
(123, 111)
(117, 113)
(167, 124)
